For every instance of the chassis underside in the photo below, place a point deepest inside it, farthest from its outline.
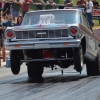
(48, 57)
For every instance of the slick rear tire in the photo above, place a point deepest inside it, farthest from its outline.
(93, 68)
(78, 59)
(15, 62)
(34, 70)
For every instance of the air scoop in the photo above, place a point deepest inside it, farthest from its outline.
(47, 19)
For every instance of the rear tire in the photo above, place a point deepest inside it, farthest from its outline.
(34, 70)
(15, 62)
(93, 68)
(78, 59)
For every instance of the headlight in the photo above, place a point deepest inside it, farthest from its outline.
(10, 34)
(73, 31)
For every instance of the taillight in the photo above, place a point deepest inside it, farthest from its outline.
(10, 34)
(73, 31)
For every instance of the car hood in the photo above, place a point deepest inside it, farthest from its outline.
(42, 27)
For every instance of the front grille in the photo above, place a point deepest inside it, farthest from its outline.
(41, 34)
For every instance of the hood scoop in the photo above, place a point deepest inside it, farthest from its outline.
(47, 19)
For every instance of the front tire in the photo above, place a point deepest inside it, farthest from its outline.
(78, 59)
(15, 62)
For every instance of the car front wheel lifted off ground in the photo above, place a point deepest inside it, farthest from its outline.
(78, 59)
(15, 62)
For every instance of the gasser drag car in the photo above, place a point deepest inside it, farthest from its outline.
(60, 37)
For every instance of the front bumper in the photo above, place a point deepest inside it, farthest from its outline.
(42, 44)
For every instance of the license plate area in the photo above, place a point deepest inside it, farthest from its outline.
(47, 54)
(42, 45)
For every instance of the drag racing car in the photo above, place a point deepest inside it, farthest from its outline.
(60, 37)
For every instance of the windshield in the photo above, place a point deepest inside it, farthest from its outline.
(61, 17)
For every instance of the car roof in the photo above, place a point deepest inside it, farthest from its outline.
(55, 10)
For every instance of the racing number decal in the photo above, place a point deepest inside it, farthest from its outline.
(92, 44)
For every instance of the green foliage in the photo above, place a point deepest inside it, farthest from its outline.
(74, 1)
(59, 1)
(62, 1)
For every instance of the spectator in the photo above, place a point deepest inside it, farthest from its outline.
(89, 11)
(39, 4)
(10, 22)
(95, 4)
(1, 28)
(81, 3)
(1, 32)
(16, 8)
(4, 21)
(68, 3)
(50, 4)
(19, 20)
(6, 9)
(0, 6)
(3, 3)
(26, 6)
(11, 6)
